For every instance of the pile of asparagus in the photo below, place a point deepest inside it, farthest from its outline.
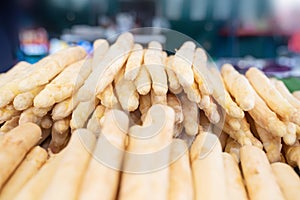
(70, 95)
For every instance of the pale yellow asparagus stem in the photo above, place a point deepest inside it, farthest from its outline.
(81, 113)
(193, 93)
(211, 111)
(145, 104)
(206, 154)
(133, 185)
(72, 167)
(182, 64)
(190, 115)
(272, 144)
(94, 122)
(266, 118)
(28, 116)
(109, 66)
(239, 87)
(102, 177)
(9, 83)
(260, 180)
(233, 148)
(126, 92)
(158, 99)
(64, 85)
(272, 97)
(49, 67)
(100, 47)
(20, 69)
(25, 100)
(223, 98)
(14, 145)
(181, 182)
(287, 179)
(234, 123)
(46, 122)
(201, 72)
(107, 97)
(41, 112)
(155, 64)
(8, 112)
(245, 127)
(292, 154)
(65, 108)
(41, 180)
(143, 81)
(234, 180)
(134, 62)
(31, 164)
(174, 84)
(10, 124)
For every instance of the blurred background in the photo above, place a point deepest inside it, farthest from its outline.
(261, 33)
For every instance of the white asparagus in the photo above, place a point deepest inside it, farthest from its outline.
(25, 100)
(233, 148)
(102, 177)
(272, 97)
(46, 122)
(158, 99)
(14, 145)
(144, 105)
(28, 116)
(100, 47)
(173, 81)
(206, 154)
(134, 62)
(9, 86)
(10, 124)
(155, 64)
(110, 65)
(174, 102)
(287, 179)
(72, 167)
(107, 97)
(284, 91)
(190, 115)
(233, 177)
(18, 70)
(260, 180)
(81, 113)
(94, 122)
(222, 96)
(64, 85)
(33, 161)
(139, 171)
(65, 108)
(181, 182)
(193, 93)
(239, 87)
(143, 81)
(8, 112)
(182, 64)
(41, 180)
(201, 72)
(211, 111)
(126, 92)
(49, 67)
(272, 144)
(266, 118)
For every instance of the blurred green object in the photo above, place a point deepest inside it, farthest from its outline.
(292, 83)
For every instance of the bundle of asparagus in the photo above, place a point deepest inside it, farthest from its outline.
(70, 94)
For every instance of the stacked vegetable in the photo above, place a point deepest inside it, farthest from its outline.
(244, 130)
